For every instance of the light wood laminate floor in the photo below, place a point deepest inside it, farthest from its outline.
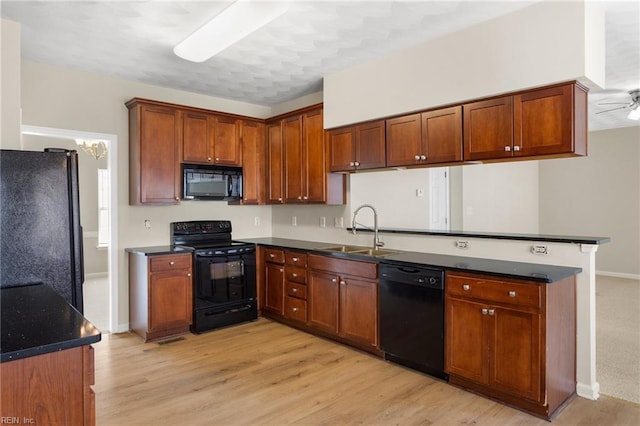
(265, 373)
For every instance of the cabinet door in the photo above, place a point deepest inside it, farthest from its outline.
(404, 139)
(341, 149)
(543, 121)
(516, 352)
(488, 129)
(226, 141)
(442, 135)
(274, 288)
(313, 157)
(370, 151)
(467, 340)
(253, 163)
(195, 138)
(293, 159)
(359, 311)
(275, 158)
(170, 300)
(323, 294)
(159, 156)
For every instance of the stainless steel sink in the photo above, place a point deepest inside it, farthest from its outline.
(359, 250)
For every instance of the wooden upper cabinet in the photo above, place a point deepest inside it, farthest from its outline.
(294, 165)
(195, 138)
(442, 135)
(275, 161)
(226, 140)
(357, 147)
(404, 140)
(488, 129)
(314, 177)
(253, 162)
(154, 147)
(550, 121)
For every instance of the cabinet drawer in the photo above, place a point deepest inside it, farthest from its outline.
(298, 275)
(169, 262)
(343, 266)
(295, 309)
(493, 290)
(274, 255)
(297, 290)
(297, 259)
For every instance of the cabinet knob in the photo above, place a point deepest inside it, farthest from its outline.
(417, 157)
(209, 158)
(295, 309)
(188, 274)
(516, 148)
(294, 275)
(295, 290)
(295, 259)
(271, 255)
(357, 163)
(507, 148)
(333, 280)
(217, 159)
(280, 199)
(177, 198)
(466, 287)
(281, 269)
(352, 163)
(512, 294)
(485, 311)
(172, 263)
(342, 282)
(423, 157)
(492, 312)
(305, 197)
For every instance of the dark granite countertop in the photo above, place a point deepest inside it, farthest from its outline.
(156, 250)
(518, 270)
(36, 320)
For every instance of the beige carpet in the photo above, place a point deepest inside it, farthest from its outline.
(618, 337)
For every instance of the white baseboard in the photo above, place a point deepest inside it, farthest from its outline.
(96, 276)
(122, 328)
(619, 275)
(588, 391)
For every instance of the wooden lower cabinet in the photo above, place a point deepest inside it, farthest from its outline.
(49, 389)
(324, 295)
(160, 295)
(498, 342)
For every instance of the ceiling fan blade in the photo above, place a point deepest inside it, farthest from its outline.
(608, 110)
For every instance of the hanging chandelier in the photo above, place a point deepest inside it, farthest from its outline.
(95, 148)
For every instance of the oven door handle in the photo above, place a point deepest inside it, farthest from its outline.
(230, 311)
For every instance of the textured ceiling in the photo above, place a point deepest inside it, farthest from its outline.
(287, 58)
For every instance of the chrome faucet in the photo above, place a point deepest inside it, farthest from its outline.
(376, 241)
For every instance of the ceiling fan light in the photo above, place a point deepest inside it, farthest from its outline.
(237, 21)
(634, 114)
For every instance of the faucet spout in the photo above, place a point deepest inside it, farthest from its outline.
(376, 240)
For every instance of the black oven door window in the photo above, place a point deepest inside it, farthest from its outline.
(220, 279)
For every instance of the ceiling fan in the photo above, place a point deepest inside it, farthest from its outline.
(634, 114)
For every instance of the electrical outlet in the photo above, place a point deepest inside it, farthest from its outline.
(539, 249)
(462, 244)
(338, 222)
(294, 221)
(323, 222)
(419, 192)
(147, 224)
(256, 221)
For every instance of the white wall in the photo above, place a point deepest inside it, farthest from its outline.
(68, 99)
(10, 85)
(598, 195)
(547, 42)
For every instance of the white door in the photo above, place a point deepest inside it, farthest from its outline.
(439, 198)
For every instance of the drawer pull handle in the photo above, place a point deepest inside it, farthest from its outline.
(512, 293)
(491, 312)
(485, 311)
(466, 287)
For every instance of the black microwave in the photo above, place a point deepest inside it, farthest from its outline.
(205, 182)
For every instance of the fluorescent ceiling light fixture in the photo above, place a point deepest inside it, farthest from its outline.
(634, 114)
(237, 21)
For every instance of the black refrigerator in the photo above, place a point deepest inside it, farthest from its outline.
(41, 236)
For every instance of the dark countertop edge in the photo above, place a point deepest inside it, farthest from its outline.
(52, 347)
(491, 266)
(153, 250)
(496, 236)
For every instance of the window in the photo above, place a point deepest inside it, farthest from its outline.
(103, 208)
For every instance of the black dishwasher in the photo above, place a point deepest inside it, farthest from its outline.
(412, 316)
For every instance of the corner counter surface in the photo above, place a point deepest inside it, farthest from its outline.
(517, 270)
(36, 320)
(158, 250)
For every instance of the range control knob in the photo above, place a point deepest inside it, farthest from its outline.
(433, 281)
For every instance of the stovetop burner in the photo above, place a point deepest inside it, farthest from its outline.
(205, 237)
